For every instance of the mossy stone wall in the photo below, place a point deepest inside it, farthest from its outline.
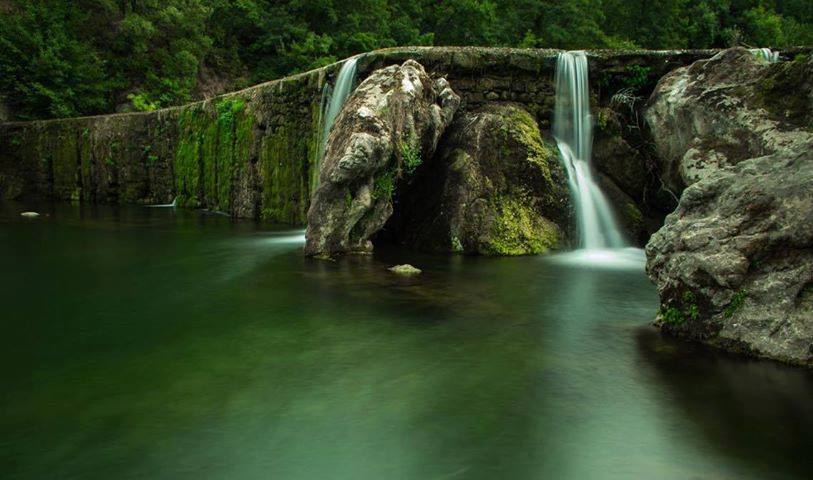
(252, 153)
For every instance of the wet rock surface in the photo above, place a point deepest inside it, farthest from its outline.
(387, 128)
(734, 263)
(496, 187)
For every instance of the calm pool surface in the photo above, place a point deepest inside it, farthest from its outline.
(155, 343)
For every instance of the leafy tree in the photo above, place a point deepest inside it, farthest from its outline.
(76, 57)
(44, 69)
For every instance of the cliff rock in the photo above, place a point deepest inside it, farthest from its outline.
(734, 263)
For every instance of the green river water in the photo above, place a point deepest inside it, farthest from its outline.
(155, 343)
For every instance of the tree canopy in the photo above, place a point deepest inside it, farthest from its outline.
(63, 58)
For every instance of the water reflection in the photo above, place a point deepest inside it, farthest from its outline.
(158, 343)
(758, 412)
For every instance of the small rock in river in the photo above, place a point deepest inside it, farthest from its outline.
(30, 214)
(405, 269)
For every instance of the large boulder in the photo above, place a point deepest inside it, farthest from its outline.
(718, 112)
(391, 122)
(496, 188)
(734, 263)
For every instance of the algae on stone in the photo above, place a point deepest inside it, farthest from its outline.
(496, 187)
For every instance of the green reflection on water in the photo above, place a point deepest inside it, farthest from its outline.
(153, 343)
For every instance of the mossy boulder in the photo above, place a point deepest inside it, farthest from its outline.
(496, 188)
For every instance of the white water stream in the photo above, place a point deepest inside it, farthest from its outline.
(765, 53)
(600, 239)
(572, 128)
(345, 83)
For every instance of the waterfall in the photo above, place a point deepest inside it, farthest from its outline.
(341, 90)
(327, 91)
(572, 128)
(765, 53)
(174, 204)
(345, 82)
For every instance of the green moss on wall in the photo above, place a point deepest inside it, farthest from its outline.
(285, 178)
(63, 154)
(524, 127)
(213, 147)
(315, 147)
(191, 123)
(778, 92)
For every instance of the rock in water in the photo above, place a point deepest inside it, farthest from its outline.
(387, 127)
(734, 263)
(496, 188)
(405, 269)
(30, 214)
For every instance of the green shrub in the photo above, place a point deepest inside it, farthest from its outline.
(384, 186)
(672, 316)
(637, 76)
(411, 157)
(142, 103)
(736, 303)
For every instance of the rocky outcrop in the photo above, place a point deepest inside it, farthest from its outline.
(496, 188)
(734, 263)
(389, 125)
(721, 111)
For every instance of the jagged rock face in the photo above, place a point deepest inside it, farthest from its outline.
(721, 111)
(390, 124)
(734, 263)
(496, 188)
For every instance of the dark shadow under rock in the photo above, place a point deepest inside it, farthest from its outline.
(496, 187)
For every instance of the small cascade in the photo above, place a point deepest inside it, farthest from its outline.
(572, 128)
(765, 53)
(345, 83)
(174, 204)
(327, 91)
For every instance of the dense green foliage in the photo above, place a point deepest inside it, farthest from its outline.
(72, 57)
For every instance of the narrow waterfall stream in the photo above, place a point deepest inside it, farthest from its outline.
(765, 53)
(345, 83)
(572, 128)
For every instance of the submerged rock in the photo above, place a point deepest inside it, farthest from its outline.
(734, 263)
(496, 188)
(405, 269)
(390, 124)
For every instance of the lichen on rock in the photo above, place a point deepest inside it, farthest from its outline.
(393, 119)
(495, 188)
(405, 269)
(734, 263)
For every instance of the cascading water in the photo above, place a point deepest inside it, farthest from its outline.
(344, 87)
(765, 53)
(345, 82)
(572, 128)
(174, 204)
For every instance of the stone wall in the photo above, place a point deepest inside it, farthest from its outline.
(252, 153)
